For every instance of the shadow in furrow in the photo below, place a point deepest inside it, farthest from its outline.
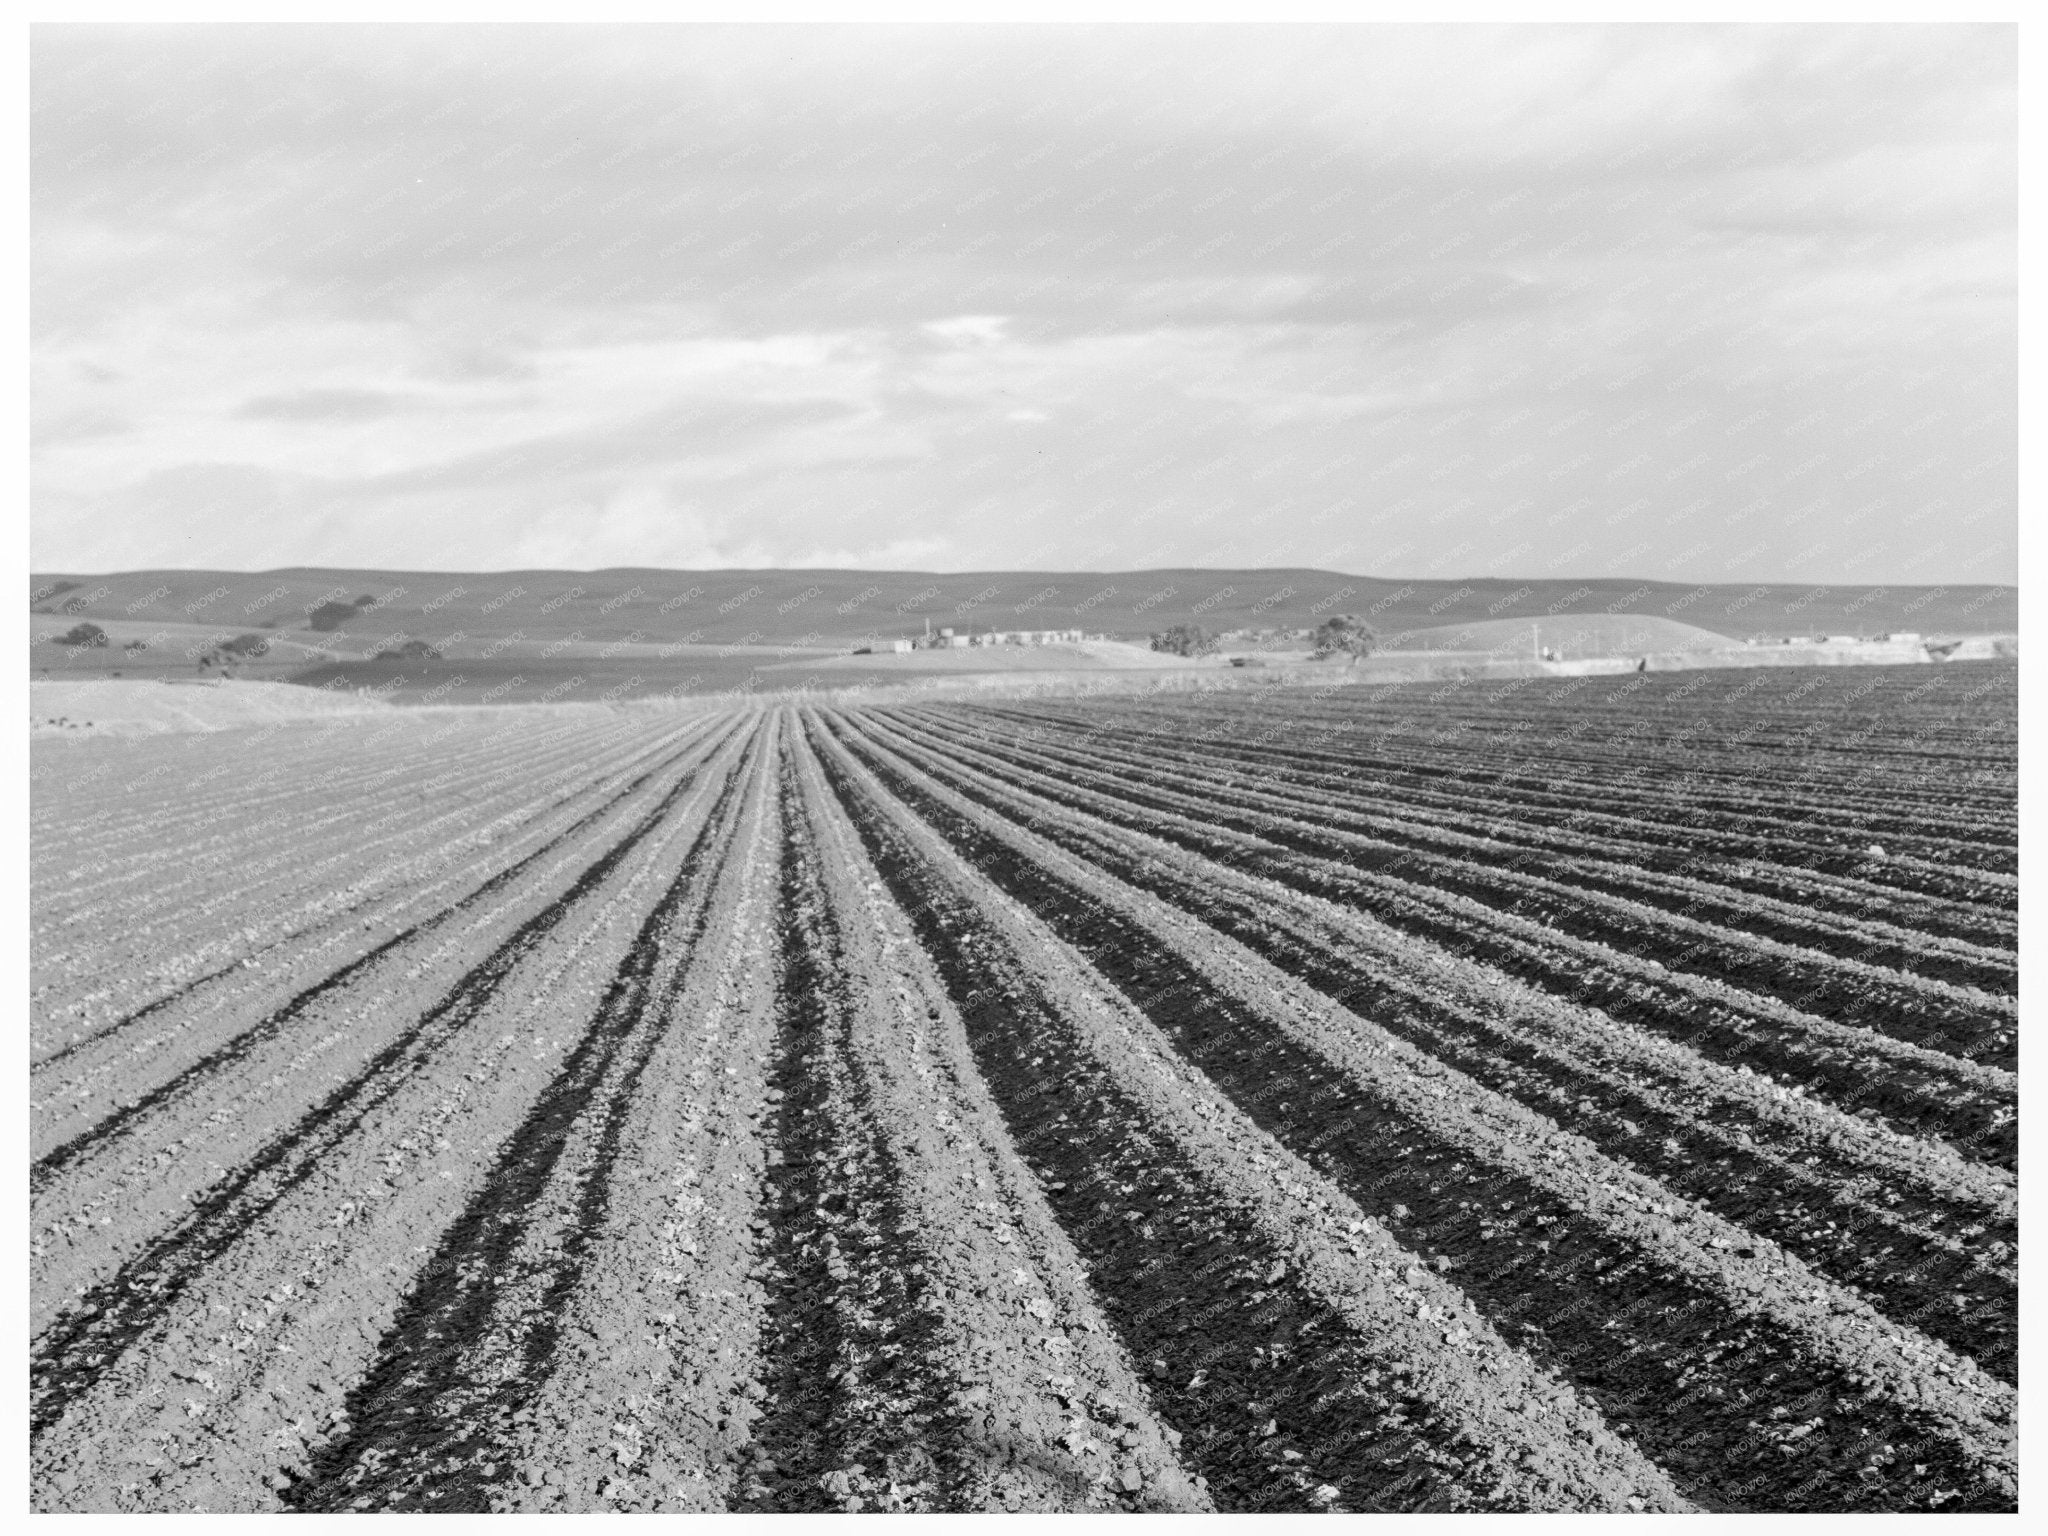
(850, 1349)
(1653, 841)
(431, 1422)
(1826, 804)
(1259, 1366)
(1672, 829)
(1955, 1026)
(1665, 1358)
(1923, 1278)
(1612, 872)
(90, 1339)
(148, 1010)
(55, 1161)
(1915, 1102)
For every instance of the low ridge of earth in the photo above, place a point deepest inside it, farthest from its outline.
(1591, 1093)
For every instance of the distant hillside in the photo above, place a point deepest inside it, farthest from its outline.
(521, 611)
(1568, 637)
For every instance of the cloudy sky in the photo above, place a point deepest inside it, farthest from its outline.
(1703, 304)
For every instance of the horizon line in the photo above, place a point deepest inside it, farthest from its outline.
(854, 570)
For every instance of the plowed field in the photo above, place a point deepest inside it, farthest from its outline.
(1592, 1094)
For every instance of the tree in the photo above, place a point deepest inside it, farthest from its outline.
(1185, 640)
(82, 635)
(227, 653)
(1344, 634)
(331, 616)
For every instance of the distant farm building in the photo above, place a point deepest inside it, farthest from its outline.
(947, 639)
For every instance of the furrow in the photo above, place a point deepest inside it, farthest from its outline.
(388, 888)
(1926, 1239)
(289, 1316)
(282, 1020)
(1682, 1357)
(646, 1400)
(1962, 1021)
(1915, 1090)
(1732, 898)
(429, 1423)
(249, 924)
(1326, 1366)
(1041, 1409)
(113, 1315)
(857, 1402)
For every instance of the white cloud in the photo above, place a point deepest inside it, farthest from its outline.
(1464, 276)
(967, 328)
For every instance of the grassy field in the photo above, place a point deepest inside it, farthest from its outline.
(565, 679)
(145, 707)
(583, 675)
(1569, 636)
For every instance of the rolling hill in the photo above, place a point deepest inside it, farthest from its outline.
(523, 612)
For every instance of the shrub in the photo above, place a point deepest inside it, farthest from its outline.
(82, 635)
(1185, 640)
(1344, 634)
(411, 650)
